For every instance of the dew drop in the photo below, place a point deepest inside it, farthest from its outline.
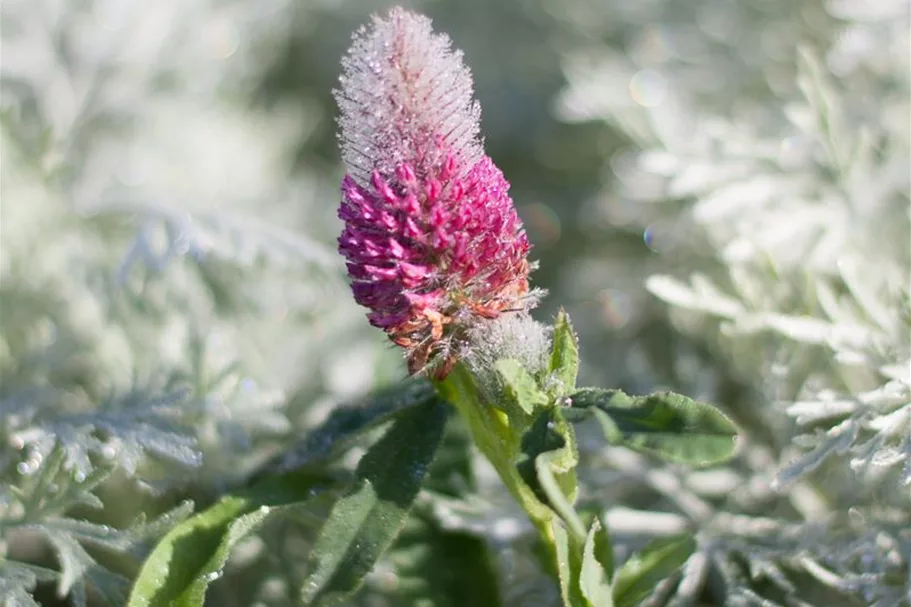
(211, 577)
(311, 588)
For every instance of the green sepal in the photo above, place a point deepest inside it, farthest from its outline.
(564, 357)
(520, 387)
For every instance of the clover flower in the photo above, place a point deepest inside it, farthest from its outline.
(432, 240)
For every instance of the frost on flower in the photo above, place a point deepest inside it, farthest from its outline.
(432, 239)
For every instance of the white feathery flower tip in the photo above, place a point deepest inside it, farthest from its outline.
(403, 87)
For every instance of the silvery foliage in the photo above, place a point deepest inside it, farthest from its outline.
(156, 310)
(777, 137)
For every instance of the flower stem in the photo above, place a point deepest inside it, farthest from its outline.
(500, 441)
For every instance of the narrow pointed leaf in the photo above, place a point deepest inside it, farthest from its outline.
(644, 570)
(364, 523)
(597, 562)
(345, 424)
(568, 565)
(564, 358)
(673, 427)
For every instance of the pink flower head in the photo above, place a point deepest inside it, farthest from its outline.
(432, 239)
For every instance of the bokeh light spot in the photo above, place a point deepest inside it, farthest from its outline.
(648, 88)
(648, 236)
(616, 308)
(544, 222)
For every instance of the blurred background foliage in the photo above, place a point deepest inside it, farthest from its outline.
(173, 312)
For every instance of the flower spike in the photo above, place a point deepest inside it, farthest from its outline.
(432, 239)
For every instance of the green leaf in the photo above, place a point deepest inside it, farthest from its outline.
(345, 424)
(191, 556)
(452, 473)
(564, 358)
(193, 553)
(644, 570)
(439, 568)
(365, 522)
(597, 567)
(673, 427)
(568, 566)
(176, 573)
(521, 387)
(18, 581)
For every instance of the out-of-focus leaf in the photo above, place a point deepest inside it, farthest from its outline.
(117, 539)
(345, 424)
(521, 387)
(671, 426)
(365, 522)
(836, 440)
(438, 568)
(79, 569)
(191, 556)
(452, 472)
(38, 491)
(597, 567)
(18, 580)
(111, 587)
(656, 561)
(74, 560)
(564, 358)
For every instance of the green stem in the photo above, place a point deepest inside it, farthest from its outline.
(500, 442)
